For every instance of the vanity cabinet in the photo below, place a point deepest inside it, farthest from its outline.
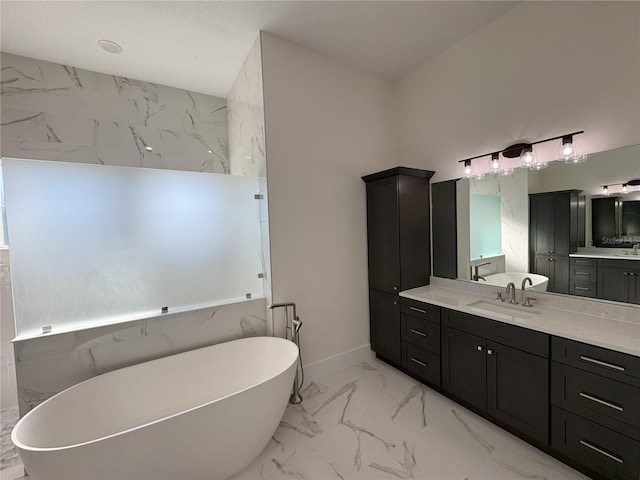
(398, 241)
(500, 369)
(595, 417)
(619, 280)
(553, 235)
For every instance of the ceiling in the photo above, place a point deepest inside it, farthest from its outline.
(200, 45)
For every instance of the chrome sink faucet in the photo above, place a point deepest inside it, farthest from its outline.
(511, 288)
(524, 283)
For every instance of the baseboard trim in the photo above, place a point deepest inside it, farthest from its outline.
(337, 362)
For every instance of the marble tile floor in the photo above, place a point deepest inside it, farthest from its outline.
(371, 421)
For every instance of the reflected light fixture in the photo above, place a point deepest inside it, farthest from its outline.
(468, 171)
(605, 190)
(495, 165)
(527, 157)
(625, 188)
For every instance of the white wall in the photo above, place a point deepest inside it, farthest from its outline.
(540, 70)
(327, 125)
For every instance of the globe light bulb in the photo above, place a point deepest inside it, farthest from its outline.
(527, 157)
(468, 171)
(605, 190)
(495, 165)
(625, 188)
(567, 150)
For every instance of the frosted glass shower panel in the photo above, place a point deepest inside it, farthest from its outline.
(93, 244)
(485, 225)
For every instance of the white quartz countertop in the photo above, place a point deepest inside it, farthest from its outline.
(610, 256)
(619, 335)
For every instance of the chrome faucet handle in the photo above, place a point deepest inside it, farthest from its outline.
(511, 288)
(500, 296)
(527, 302)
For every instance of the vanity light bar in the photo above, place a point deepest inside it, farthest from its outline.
(518, 149)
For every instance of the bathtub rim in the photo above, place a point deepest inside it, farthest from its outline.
(22, 446)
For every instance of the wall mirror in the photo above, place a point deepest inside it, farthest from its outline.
(492, 227)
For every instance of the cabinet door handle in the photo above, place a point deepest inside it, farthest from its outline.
(419, 310)
(395, 302)
(479, 348)
(415, 360)
(600, 451)
(602, 402)
(489, 352)
(395, 288)
(601, 363)
(418, 332)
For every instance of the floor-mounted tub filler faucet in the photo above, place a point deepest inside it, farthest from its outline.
(474, 273)
(511, 288)
(291, 332)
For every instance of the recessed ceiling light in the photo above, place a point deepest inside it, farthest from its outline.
(209, 151)
(148, 148)
(109, 46)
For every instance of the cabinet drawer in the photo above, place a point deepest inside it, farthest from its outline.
(583, 289)
(421, 333)
(623, 264)
(604, 451)
(425, 365)
(421, 310)
(583, 274)
(510, 335)
(583, 262)
(609, 363)
(596, 397)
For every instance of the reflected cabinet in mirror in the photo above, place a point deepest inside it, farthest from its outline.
(558, 226)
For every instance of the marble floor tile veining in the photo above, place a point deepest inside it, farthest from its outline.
(371, 421)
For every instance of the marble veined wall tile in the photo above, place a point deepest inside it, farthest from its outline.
(49, 364)
(246, 118)
(58, 112)
(514, 202)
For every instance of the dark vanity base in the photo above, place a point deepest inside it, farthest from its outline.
(540, 446)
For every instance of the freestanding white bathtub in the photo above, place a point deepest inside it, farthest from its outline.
(205, 413)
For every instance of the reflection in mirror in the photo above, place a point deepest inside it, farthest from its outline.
(493, 214)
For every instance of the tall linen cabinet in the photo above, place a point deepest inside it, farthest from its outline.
(399, 249)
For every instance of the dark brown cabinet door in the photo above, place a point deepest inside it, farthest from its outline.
(385, 325)
(613, 284)
(556, 268)
(542, 217)
(518, 390)
(634, 286)
(464, 373)
(383, 235)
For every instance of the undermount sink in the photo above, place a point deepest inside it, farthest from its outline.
(505, 309)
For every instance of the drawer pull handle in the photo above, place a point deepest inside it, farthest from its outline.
(602, 402)
(588, 274)
(417, 332)
(415, 360)
(419, 310)
(601, 363)
(586, 289)
(600, 451)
